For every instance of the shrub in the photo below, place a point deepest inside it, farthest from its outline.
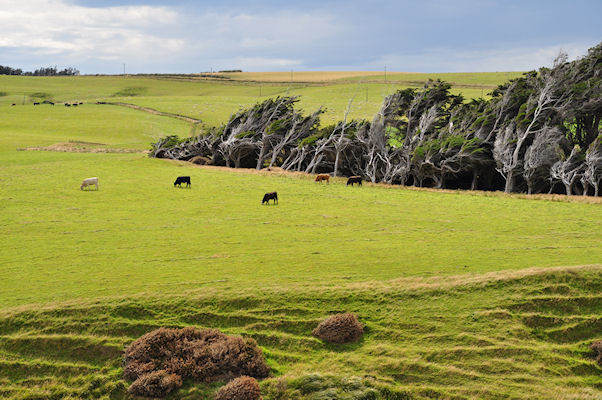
(130, 91)
(41, 95)
(597, 349)
(205, 355)
(155, 384)
(243, 388)
(339, 328)
(200, 160)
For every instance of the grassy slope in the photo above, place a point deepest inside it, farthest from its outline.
(214, 101)
(119, 127)
(504, 335)
(65, 241)
(111, 265)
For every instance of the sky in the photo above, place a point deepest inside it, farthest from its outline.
(185, 36)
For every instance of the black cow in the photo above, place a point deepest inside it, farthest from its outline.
(13, 104)
(74, 104)
(354, 179)
(182, 179)
(270, 196)
(36, 104)
(67, 105)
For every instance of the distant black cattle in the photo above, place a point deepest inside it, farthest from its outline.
(182, 179)
(13, 104)
(270, 196)
(67, 105)
(354, 179)
(74, 104)
(36, 104)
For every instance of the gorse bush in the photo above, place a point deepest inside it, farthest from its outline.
(155, 384)
(339, 328)
(243, 388)
(204, 355)
(597, 349)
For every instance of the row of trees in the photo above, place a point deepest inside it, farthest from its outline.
(44, 71)
(538, 133)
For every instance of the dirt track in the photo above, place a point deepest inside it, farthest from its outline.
(156, 112)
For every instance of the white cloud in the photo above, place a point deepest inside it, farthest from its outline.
(43, 27)
(153, 38)
(448, 60)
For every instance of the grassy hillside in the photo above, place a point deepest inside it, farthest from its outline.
(463, 295)
(519, 335)
(169, 239)
(119, 127)
(213, 101)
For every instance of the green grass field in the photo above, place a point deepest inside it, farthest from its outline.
(214, 101)
(464, 295)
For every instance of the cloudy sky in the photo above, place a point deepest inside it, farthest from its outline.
(185, 36)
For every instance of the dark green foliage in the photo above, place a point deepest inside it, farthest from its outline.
(41, 95)
(48, 71)
(430, 136)
(131, 91)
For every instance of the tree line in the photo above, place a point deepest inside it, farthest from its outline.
(540, 133)
(44, 71)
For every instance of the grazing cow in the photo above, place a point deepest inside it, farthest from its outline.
(354, 179)
(13, 104)
(182, 179)
(36, 104)
(74, 104)
(67, 105)
(270, 196)
(89, 182)
(323, 177)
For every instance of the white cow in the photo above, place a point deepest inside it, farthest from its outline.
(89, 182)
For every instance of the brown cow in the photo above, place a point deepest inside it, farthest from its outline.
(354, 179)
(323, 177)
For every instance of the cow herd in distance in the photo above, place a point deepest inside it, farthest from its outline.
(89, 182)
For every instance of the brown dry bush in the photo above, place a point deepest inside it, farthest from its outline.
(155, 384)
(200, 160)
(597, 349)
(204, 355)
(243, 388)
(339, 328)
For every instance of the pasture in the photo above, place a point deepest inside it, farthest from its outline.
(213, 101)
(463, 295)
